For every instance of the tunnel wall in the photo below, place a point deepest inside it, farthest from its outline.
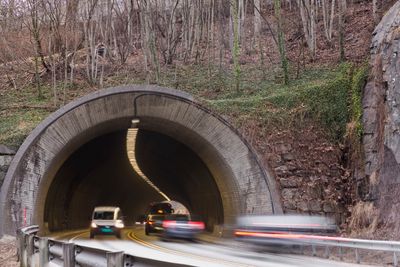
(245, 186)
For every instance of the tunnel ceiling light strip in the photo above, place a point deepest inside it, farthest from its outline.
(130, 148)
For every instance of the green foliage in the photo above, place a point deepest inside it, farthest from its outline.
(320, 95)
(328, 103)
(330, 97)
(357, 84)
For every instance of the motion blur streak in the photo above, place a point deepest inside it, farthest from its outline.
(287, 236)
(130, 147)
(286, 224)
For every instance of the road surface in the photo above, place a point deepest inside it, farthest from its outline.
(135, 242)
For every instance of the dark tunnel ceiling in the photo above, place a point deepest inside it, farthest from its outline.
(99, 173)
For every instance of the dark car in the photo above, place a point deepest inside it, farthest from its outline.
(154, 223)
(183, 226)
(156, 215)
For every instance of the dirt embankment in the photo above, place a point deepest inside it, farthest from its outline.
(8, 252)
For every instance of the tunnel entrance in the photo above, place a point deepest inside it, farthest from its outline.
(100, 174)
(77, 159)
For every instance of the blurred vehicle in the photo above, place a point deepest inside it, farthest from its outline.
(160, 208)
(156, 215)
(154, 223)
(106, 221)
(284, 229)
(183, 226)
(141, 219)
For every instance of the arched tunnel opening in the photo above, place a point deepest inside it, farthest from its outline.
(81, 157)
(100, 173)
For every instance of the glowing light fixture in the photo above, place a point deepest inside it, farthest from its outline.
(130, 147)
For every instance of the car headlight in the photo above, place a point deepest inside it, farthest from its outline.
(119, 224)
(93, 225)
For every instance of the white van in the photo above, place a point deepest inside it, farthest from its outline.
(106, 221)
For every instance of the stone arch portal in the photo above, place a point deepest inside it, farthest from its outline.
(100, 149)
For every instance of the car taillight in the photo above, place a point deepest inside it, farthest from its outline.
(168, 224)
(198, 225)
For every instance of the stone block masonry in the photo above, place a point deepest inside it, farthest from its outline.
(6, 156)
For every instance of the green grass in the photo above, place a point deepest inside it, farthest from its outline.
(16, 126)
(319, 95)
(328, 96)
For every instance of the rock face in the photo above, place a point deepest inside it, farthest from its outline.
(6, 155)
(381, 118)
(308, 169)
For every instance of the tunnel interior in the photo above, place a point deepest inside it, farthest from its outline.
(100, 173)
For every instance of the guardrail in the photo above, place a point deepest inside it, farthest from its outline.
(33, 251)
(326, 242)
(356, 244)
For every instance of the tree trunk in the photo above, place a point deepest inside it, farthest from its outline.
(257, 18)
(281, 41)
(236, 47)
(375, 11)
(308, 21)
(341, 33)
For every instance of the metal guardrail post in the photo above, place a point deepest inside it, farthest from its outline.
(69, 254)
(29, 250)
(128, 260)
(395, 260)
(358, 258)
(43, 251)
(115, 259)
(302, 249)
(314, 250)
(340, 253)
(22, 249)
(327, 252)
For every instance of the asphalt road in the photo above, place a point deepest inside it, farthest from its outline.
(135, 242)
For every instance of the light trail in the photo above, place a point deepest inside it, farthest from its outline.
(222, 262)
(130, 148)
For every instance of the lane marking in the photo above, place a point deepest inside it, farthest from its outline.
(131, 235)
(65, 235)
(75, 237)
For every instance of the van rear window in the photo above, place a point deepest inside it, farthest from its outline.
(103, 215)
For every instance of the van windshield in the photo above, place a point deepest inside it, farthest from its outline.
(103, 215)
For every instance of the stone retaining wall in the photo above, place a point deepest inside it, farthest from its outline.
(6, 156)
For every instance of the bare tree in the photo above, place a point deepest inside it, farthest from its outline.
(307, 14)
(149, 35)
(257, 18)
(341, 29)
(170, 34)
(281, 41)
(375, 11)
(236, 46)
(34, 27)
(123, 31)
(328, 17)
(90, 31)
